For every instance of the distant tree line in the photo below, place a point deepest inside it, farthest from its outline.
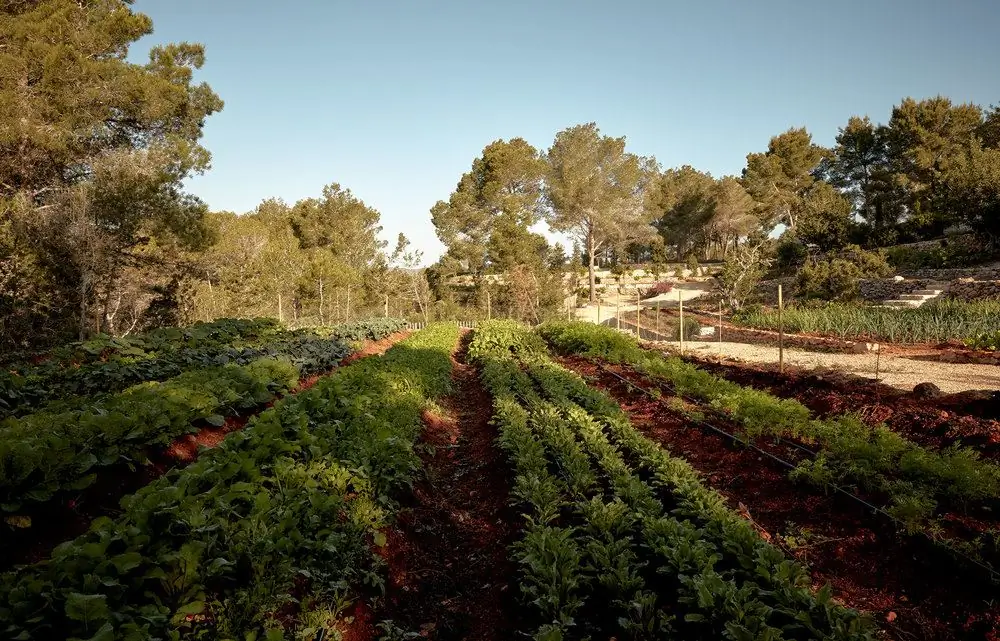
(97, 233)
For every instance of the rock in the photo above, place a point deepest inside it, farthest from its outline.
(927, 390)
(706, 331)
(864, 348)
(898, 279)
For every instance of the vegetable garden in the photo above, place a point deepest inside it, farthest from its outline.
(551, 483)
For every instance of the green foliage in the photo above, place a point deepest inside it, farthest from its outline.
(595, 191)
(107, 364)
(790, 255)
(960, 253)
(63, 447)
(598, 527)
(989, 341)
(94, 155)
(780, 178)
(288, 504)
(837, 278)
(912, 478)
(934, 322)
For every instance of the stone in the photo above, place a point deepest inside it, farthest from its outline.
(927, 390)
(898, 279)
(706, 331)
(864, 348)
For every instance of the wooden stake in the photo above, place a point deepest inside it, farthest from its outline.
(638, 306)
(680, 330)
(489, 306)
(618, 313)
(348, 303)
(720, 328)
(657, 323)
(598, 312)
(387, 305)
(781, 333)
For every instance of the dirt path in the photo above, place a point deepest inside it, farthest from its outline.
(449, 573)
(903, 373)
(913, 590)
(55, 522)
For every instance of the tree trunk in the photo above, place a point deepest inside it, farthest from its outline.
(321, 321)
(590, 266)
(84, 287)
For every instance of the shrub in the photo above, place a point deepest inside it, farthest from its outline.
(742, 271)
(661, 287)
(837, 278)
(958, 253)
(791, 255)
(692, 264)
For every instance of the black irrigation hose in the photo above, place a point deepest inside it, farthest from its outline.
(994, 575)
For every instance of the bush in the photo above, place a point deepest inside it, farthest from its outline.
(791, 255)
(960, 253)
(837, 278)
(661, 287)
(692, 264)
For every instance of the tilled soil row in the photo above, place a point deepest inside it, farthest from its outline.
(914, 590)
(449, 572)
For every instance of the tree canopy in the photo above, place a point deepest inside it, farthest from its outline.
(596, 191)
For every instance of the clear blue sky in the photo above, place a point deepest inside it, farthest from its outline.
(394, 98)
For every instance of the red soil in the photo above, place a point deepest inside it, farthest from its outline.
(449, 572)
(55, 522)
(913, 590)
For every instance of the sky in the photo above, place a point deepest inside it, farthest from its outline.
(393, 99)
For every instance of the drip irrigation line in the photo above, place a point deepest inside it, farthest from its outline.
(994, 575)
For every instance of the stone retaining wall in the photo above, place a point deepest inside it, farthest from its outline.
(968, 290)
(880, 289)
(977, 273)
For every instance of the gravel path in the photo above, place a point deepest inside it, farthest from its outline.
(899, 372)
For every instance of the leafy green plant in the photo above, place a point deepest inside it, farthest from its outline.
(718, 577)
(295, 497)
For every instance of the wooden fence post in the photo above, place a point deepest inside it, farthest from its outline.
(638, 306)
(720, 328)
(680, 330)
(781, 333)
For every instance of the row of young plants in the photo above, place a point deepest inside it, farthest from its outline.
(266, 536)
(62, 448)
(224, 331)
(170, 351)
(621, 539)
(935, 321)
(913, 479)
(48, 453)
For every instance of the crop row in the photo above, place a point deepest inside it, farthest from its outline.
(61, 449)
(913, 479)
(168, 352)
(935, 321)
(263, 537)
(621, 539)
